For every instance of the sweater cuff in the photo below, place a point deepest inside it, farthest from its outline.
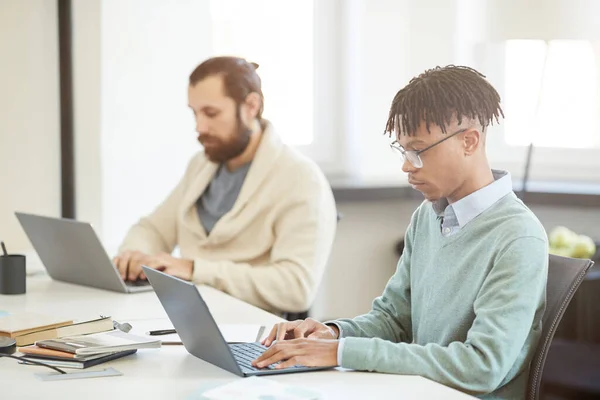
(338, 326)
(354, 353)
(204, 272)
(340, 351)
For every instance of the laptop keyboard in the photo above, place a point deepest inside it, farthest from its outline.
(139, 282)
(245, 353)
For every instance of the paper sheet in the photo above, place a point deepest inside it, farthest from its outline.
(259, 389)
(233, 333)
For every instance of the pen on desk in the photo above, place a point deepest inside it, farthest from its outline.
(261, 330)
(162, 332)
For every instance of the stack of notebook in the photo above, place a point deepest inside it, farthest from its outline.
(87, 350)
(63, 359)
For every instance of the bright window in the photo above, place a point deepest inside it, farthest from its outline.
(551, 93)
(278, 35)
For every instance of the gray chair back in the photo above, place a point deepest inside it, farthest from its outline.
(564, 277)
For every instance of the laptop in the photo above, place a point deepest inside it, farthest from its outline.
(199, 332)
(72, 252)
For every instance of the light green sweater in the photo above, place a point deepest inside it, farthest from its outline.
(463, 310)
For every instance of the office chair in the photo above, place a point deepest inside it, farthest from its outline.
(572, 371)
(564, 277)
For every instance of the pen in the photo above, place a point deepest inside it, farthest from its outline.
(161, 332)
(260, 333)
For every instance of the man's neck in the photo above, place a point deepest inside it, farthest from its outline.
(249, 152)
(482, 177)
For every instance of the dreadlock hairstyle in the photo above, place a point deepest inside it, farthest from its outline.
(438, 95)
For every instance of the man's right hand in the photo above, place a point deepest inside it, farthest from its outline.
(308, 328)
(130, 263)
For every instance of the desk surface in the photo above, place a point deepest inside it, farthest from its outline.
(171, 372)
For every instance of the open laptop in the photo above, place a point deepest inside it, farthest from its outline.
(199, 332)
(72, 252)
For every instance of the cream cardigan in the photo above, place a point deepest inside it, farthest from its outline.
(271, 248)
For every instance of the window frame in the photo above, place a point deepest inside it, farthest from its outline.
(325, 66)
(547, 163)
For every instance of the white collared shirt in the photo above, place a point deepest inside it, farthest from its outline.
(456, 215)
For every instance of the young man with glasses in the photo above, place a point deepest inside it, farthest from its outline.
(465, 305)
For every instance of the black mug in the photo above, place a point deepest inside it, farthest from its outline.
(12, 274)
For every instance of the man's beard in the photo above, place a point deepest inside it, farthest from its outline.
(225, 151)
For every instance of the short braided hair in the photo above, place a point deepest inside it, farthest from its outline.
(439, 94)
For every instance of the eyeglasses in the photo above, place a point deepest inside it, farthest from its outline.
(413, 156)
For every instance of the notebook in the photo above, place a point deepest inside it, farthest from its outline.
(77, 362)
(106, 342)
(82, 327)
(36, 351)
(21, 324)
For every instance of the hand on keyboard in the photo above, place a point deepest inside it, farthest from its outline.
(245, 353)
(306, 352)
(308, 328)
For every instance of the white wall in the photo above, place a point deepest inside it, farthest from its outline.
(363, 256)
(375, 67)
(29, 115)
(87, 123)
(149, 48)
(134, 131)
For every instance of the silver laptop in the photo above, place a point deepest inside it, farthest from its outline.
(199, 332)
(72, 252)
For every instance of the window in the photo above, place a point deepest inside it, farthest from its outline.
(278, 35)
(551, 95)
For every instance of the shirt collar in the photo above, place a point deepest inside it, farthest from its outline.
(469, 207)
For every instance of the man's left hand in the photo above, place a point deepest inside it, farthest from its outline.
(178, 267)
(307, 352)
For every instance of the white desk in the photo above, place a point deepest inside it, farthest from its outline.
(170, 372)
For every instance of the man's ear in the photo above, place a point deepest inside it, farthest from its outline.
(472, 139)
(252, 105)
